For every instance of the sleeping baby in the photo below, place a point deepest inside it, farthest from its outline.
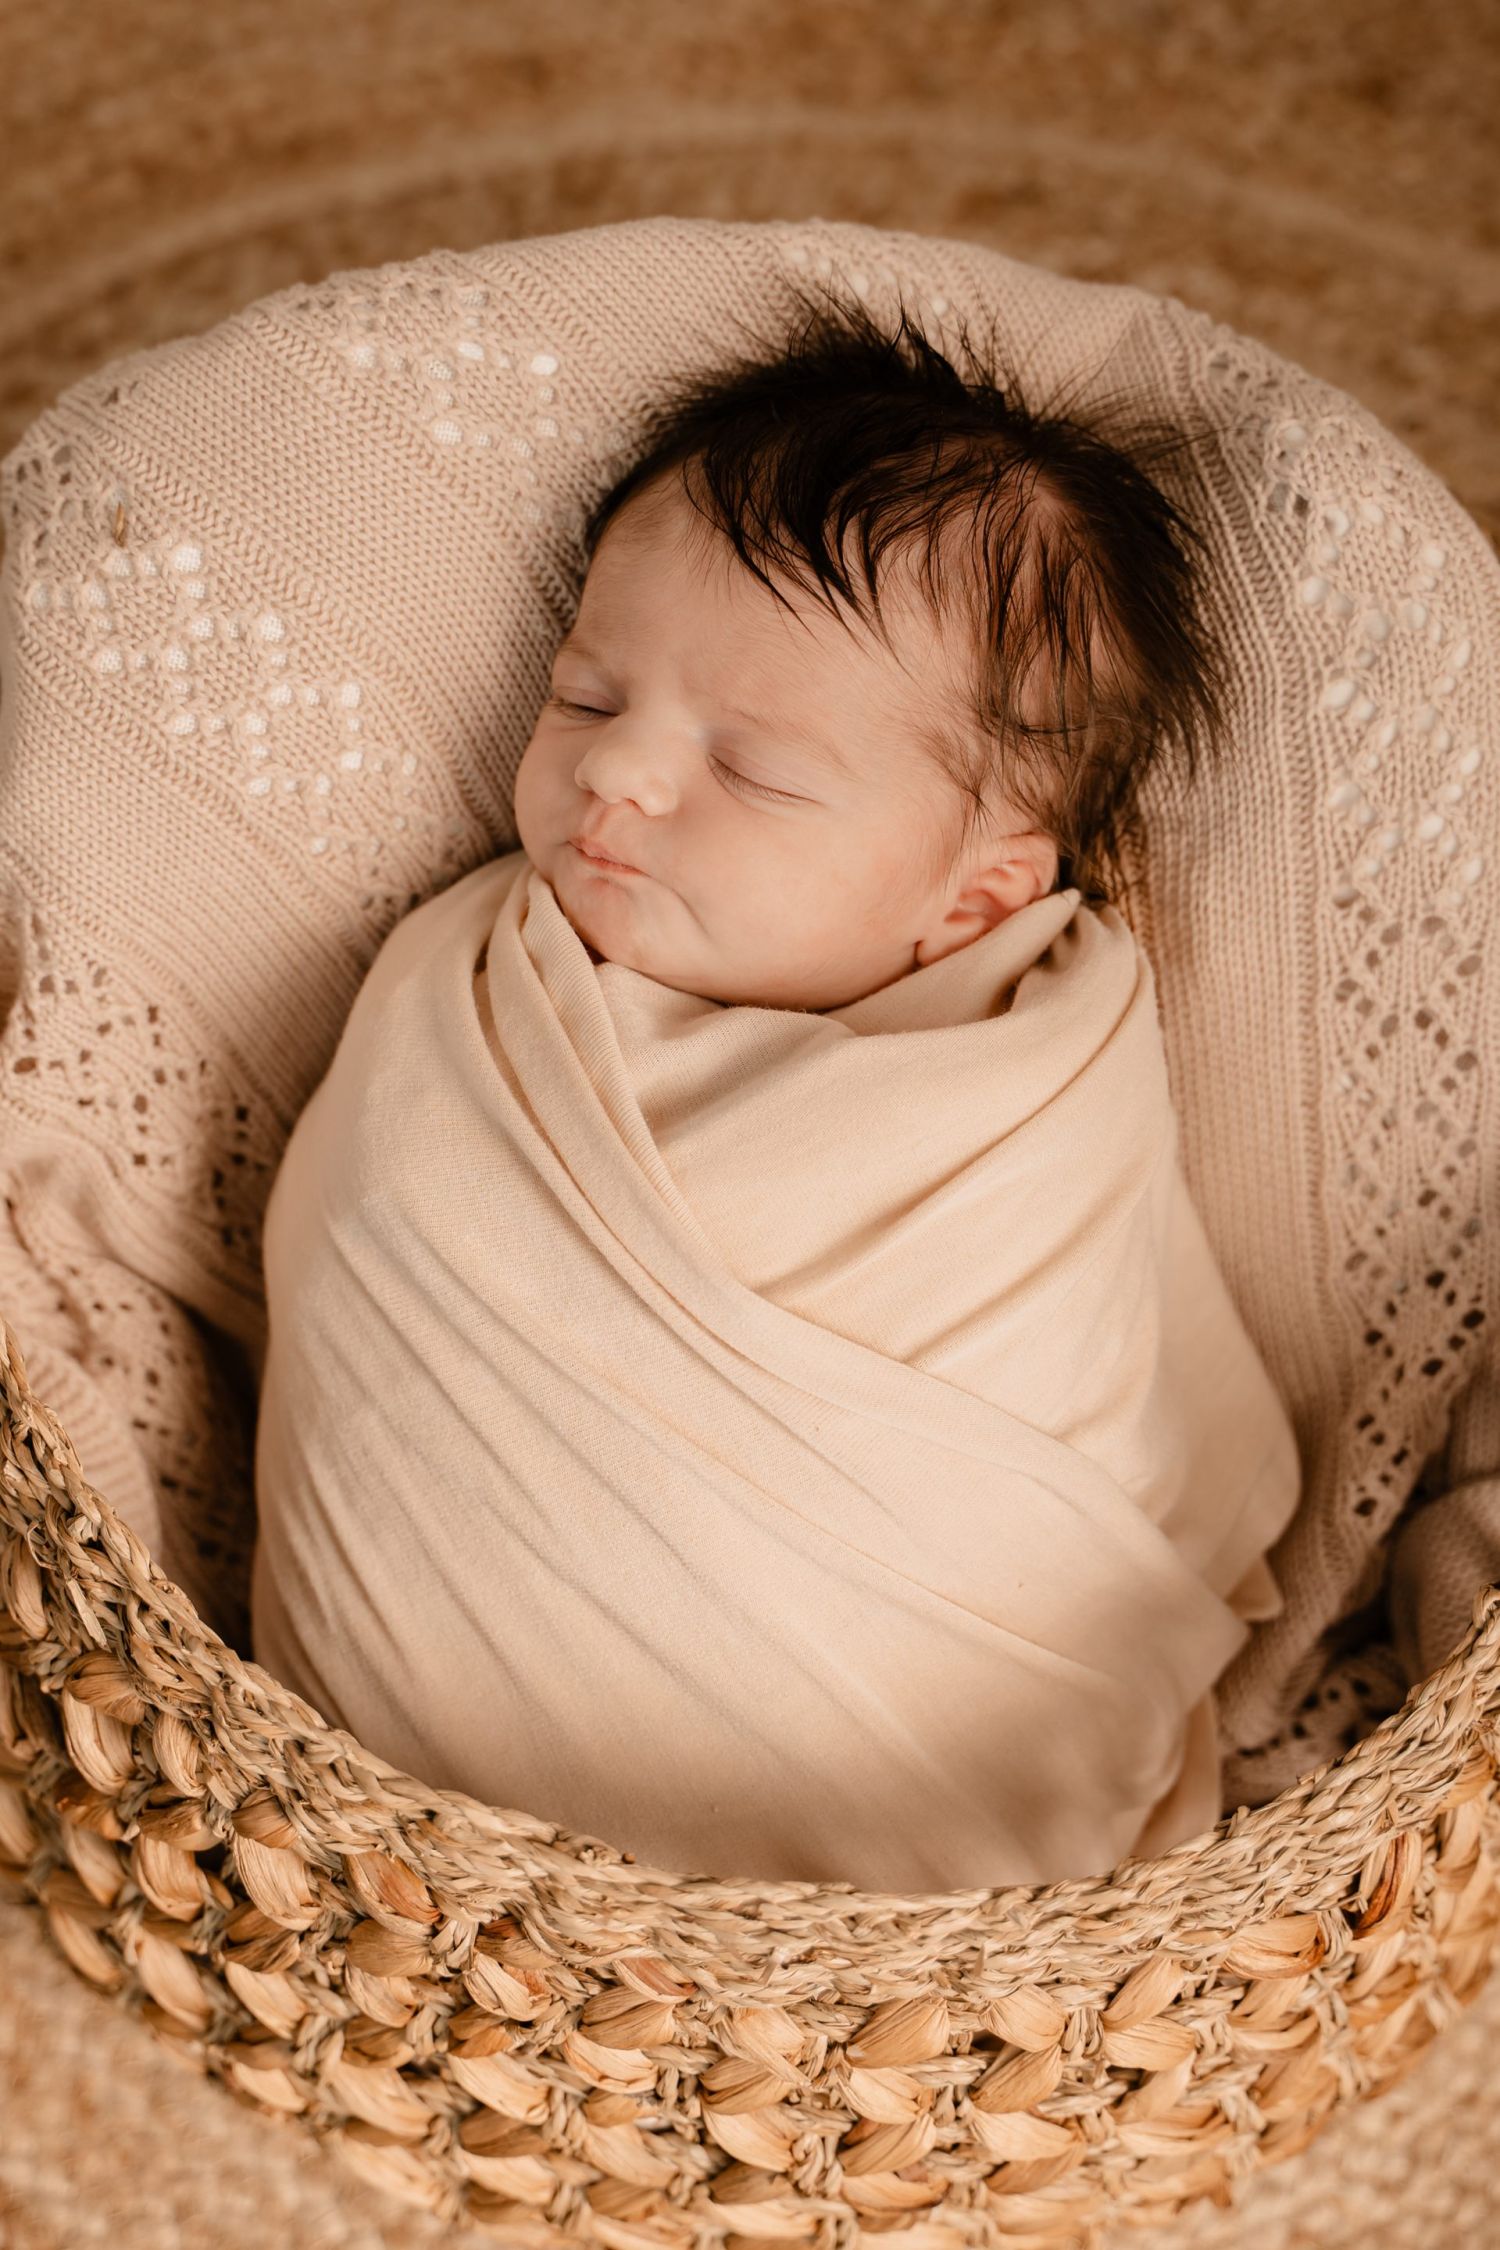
(746, 1379)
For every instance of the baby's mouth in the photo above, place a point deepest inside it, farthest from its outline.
(601, 861)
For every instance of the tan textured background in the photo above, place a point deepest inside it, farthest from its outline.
(1322, 175)
(1326, 177)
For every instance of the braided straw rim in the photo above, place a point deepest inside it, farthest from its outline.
(470, 1974)
(1395, 1776)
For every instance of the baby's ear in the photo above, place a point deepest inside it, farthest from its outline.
(1029, 862)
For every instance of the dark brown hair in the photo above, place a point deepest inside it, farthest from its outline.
(1082, 599)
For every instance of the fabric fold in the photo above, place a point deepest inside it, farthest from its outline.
(805, 1446)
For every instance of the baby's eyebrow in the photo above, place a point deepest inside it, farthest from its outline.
(782, 724)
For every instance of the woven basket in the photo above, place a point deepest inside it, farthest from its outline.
(517, 2026)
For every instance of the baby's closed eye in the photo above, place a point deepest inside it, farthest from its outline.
(741, 781)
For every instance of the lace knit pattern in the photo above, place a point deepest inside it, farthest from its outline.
(278, 604)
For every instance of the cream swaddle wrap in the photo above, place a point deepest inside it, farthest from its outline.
(786, 1445)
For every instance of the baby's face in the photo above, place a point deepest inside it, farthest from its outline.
(761, 773)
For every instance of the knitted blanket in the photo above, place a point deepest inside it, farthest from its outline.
(276, 613)
(810, 1446)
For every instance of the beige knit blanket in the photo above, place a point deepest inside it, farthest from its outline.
(277, 606)
(791, 1445)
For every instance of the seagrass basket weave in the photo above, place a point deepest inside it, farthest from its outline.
(504, 2021)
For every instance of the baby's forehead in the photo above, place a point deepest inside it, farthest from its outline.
(902, 648)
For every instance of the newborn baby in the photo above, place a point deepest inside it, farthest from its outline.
(746, 1379)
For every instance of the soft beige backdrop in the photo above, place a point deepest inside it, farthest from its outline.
(1325, 176)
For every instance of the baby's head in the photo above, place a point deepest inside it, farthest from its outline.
(1002, 635)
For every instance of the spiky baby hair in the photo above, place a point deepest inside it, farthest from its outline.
(1075, 574)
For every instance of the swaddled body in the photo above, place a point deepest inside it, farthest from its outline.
(745, 1378)
(629, 1456)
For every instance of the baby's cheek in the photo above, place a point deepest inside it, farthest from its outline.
(528, 797)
